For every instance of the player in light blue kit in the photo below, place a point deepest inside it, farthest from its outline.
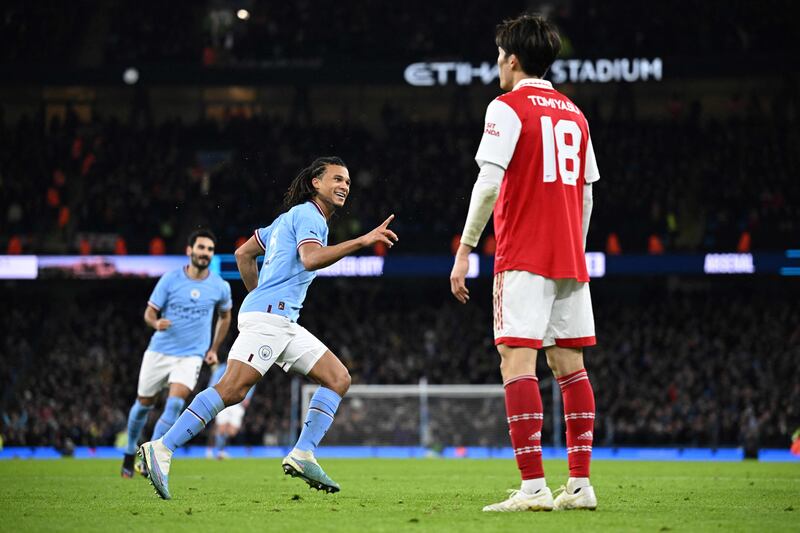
(186, 299)
(229, 421)
(294, 246)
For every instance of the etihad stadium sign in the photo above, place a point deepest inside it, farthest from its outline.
(439, 73)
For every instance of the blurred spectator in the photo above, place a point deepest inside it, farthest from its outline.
(658, 192)
(686, 367)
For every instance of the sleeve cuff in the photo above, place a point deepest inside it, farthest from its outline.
(154, 306)
(258, 240)
(306, 241)
(469, 240)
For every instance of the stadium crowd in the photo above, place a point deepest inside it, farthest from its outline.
(689, 366)
(66, 181)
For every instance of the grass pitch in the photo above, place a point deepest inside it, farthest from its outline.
(393, 495)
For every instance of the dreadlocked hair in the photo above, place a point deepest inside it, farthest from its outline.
(301, 190)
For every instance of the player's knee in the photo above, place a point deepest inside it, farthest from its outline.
(231, 394)
(146, 401)
(564, 361)
(340, 382)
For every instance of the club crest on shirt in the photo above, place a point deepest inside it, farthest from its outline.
(195, 294)
(265, 352)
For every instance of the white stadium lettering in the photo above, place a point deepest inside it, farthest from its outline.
(729, 264)
(606, 70)
(562, 71)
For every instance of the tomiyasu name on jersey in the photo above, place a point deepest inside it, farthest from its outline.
(189, 304)
(283, 280)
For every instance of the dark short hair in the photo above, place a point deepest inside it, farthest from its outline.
(533, 39)
(201, 232)
(301, 189)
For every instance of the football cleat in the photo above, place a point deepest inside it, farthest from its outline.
(127, 466)
(541, 500)
(581, 498)
(309, 471)
(157, 457)
(140, 466)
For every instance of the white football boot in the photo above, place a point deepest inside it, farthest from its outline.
(579, 498)
(157, 457)
(518, 500)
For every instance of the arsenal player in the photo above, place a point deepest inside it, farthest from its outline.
(536, 169)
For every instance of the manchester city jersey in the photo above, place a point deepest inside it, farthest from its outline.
(189, 305)
(283, 280)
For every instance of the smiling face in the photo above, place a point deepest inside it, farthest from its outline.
(201, 252)
(333, 186)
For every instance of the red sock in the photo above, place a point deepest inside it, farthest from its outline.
(576, 390)
(524, 411)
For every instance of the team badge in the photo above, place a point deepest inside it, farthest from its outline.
(195, 294)
(265, 353)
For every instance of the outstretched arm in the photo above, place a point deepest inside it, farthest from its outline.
(313, 256)
(246, 256)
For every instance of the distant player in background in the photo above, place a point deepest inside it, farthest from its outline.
(537, 165)
(295, 245)
(185, 299)
(229, 421)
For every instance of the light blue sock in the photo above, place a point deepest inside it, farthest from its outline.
(321, 410)
(200, 412)
(172, 409)
(220, 439)
(137, 418)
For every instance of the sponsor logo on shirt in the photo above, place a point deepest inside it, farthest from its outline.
(491, 129)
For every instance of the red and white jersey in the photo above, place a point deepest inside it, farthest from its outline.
(542, 141)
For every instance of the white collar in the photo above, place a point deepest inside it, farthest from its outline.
(533, 82)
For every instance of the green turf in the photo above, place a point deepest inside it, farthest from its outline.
(393, 495)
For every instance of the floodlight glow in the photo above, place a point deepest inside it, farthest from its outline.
(130, 76)
(243, 14)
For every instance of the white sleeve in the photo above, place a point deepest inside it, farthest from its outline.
(588, 202)
(591, 173)
(500, 135)
(484, 196)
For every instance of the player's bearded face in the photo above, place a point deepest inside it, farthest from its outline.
(201, 253)
(334, 186)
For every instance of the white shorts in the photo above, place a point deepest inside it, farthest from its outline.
(158, 370)
(536, 312)
(266, 339)
(232, 415)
